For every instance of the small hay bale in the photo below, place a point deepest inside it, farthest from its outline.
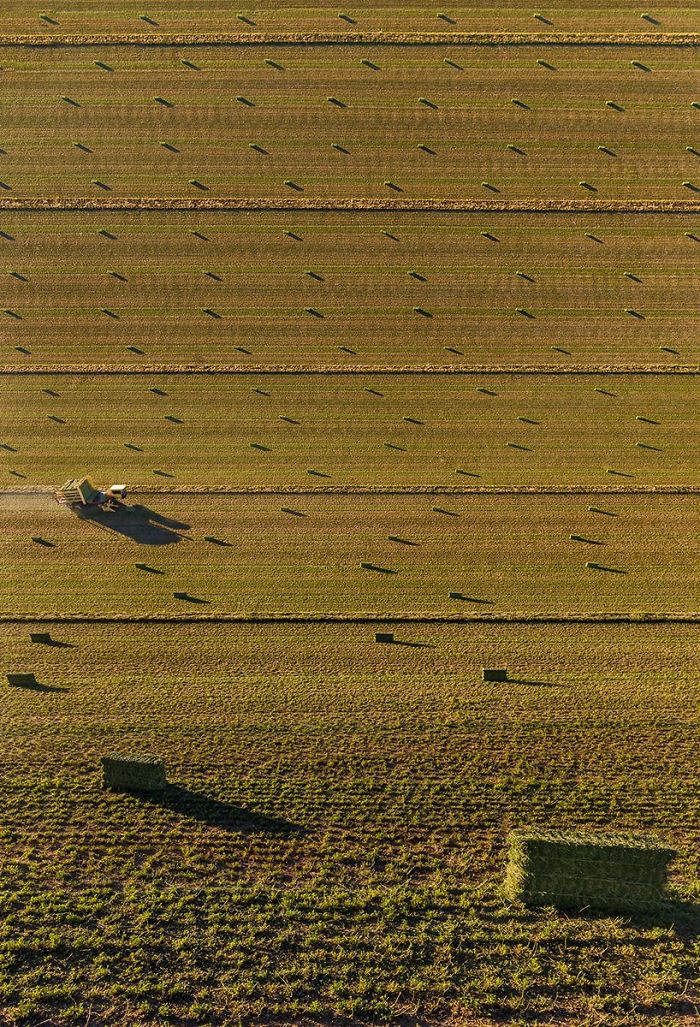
(384, 636)
(21, 680)
(141, 772)
(574, 869)
(494, 674)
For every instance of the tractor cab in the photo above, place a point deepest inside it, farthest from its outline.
(81, 492)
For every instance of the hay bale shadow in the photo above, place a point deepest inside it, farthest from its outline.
(44, 638)
(225, 815)
(535, 684)
(30, 684)
(683, 916)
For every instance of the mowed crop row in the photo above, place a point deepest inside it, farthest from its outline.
(247, 430)
(352, 555)
(333, 801)
(474, 122)
(128, 17)
(348, 288)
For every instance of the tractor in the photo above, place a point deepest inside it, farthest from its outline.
(80, 492)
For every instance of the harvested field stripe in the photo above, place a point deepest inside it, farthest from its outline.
(353, 618)
(346, 203)
(357, 38)
(334, 369)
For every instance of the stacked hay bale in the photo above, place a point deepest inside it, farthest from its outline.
(140, 772)
(581, 868)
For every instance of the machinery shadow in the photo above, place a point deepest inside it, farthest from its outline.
(138, 523)
(224, 815)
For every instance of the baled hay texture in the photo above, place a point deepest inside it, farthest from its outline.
(138, 772)
(579, 868)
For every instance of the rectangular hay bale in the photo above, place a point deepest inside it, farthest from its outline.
(384, 636)
(494, 674)
(138, 772)
(21, 680)
(574, 869)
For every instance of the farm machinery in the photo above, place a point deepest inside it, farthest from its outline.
(80, 492)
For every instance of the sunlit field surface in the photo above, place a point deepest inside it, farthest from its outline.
(392, 336)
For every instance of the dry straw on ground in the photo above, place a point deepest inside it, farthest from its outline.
(354, 38)
(390, 490)
(526, 206)
(660, 617)
(347, 369)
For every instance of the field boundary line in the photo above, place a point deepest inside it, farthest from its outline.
(351, 369)
(351, 618)
(366, 37)
(381, 490)
(378, 203)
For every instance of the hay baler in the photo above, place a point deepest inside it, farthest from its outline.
(81, 492)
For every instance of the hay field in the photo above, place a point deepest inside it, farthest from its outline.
(248, 430)
(126, 16)
(142, 123)
(304, 555)
(333, 837)
(477, 430)
(112, 288)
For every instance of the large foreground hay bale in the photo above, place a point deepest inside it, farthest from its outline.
(573, 869)
(140, 772)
